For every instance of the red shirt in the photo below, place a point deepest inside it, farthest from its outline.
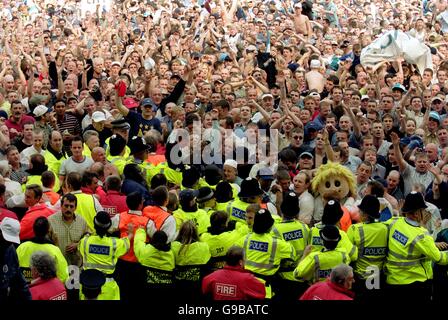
(18, 125)
(5, 213)
(114, 202)
(26, 225)
(233, 283)
(51, 289)
(327, 291)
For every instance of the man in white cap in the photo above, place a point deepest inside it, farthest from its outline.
(13, 284)
(98, 121)
(231, 173)
(315, 79)
(44, 118)
(267, 102)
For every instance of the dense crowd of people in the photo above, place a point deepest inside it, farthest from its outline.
(173, 148)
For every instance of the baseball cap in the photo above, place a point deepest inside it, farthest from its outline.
(115, 63)
(130, 103)
(315, 64)
(251, 48)
(306, 154)
(265, 173)
(148, 102)
(267, 95)
(298, 5)
(10, 229)
(399, 86)
(40, 110)
(314, 94)
(436, 98)
(365, 97)
(434, 115)
(98, 116)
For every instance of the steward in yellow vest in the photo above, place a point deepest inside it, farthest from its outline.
(220, 236)
(41, 242)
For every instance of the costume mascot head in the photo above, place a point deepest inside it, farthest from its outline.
(334, 181)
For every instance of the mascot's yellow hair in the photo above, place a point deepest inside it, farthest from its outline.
(337, 170)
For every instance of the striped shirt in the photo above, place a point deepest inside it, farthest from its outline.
(69, 123)
(68, 234)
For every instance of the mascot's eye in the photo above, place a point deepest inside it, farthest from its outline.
(327, 184)
(337, 183)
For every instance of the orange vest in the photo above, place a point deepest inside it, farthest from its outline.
(346, 220)
(52, 196)
(137, 221)
(156, 214)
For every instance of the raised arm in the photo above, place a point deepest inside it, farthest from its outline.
(398, 155)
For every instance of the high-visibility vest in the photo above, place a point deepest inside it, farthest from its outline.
(38, 180)
(86, 208)
(102, 254)
(411, 252)
(190, 260)
(156, 214)
(371, 241)
(149, 256)
(138, 221)
(119, 162)
(26, 249)
(86, 151)
(127, 150)
(297, 234)
(344, 243)
(220, 243)
(317, 265)
(223, 206)
(53, 164)
(200, 217)
(264, 252)
(237, 210)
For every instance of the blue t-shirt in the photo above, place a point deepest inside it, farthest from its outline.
(138, 123)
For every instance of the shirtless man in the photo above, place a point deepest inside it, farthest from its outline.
(302, 24)
(315, 79)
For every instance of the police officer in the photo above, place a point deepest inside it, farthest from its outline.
(370, 237)
(91, 281)
(264, 251)
(316, 266)
(294, 231)
(250, 194)
(139, 151)
(331, 216)
(411, 252)
(117, 145)
(101, 252)
(189, 211)
(223, 196)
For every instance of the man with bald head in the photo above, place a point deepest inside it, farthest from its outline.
(433, 153)
(393, 185)
(55, 154)
(99, 155)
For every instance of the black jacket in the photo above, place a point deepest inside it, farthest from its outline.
(13, 285)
